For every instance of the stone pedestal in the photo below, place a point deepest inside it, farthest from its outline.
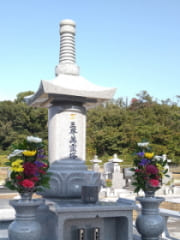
(109, 220)
(68, 177)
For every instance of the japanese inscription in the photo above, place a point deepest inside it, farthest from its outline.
(73, 140)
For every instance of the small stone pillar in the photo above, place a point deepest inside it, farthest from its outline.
(117, 176)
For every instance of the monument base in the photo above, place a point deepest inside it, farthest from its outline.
(103, 221)
(67, 178)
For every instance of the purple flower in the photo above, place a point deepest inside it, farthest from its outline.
(41, 156)
(39, 164)
(144, 162)
(41, 150)
(140, 154)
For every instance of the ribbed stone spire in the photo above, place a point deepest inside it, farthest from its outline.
(67, 56)
(67, 43)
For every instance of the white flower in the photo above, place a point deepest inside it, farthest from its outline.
(34, 139)
(15, 153)
(143, 144)
(158, 158)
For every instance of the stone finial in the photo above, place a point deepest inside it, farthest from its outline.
(67, 56)
(96, 160)
(115, 159)
(67, 47)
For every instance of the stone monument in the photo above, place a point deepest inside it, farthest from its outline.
(65, 216)
(67, 97)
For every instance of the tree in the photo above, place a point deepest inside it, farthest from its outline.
(113, 127)
(17, 120)
(20, 96)
(144, 96)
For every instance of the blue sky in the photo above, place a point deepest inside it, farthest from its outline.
(132, 45)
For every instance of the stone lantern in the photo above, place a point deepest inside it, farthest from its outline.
(96, 163)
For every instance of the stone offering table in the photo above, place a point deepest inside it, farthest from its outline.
(103, 221)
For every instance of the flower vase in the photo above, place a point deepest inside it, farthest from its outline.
(25, 225)
(26, 196)
(149, 193)
(150, 224)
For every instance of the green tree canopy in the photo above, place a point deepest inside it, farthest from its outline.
(114, 127)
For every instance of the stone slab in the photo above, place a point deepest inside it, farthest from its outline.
(111, 218)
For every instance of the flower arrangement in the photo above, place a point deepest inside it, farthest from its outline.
(148, 169)
(28, 166)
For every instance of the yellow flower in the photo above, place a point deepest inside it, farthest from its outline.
(29, 153)
(149, 155)
(17, 163)
(17, 169)
(16, 166)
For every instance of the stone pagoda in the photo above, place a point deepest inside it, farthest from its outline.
(67, 97)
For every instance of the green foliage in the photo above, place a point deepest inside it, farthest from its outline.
(20, 96)
(114, 127)
(18, 120)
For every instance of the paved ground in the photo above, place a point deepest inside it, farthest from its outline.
(173, 224)
(174, 227)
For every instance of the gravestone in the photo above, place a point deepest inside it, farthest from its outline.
(67, 96)
(128, 175)
(118, 181)
(108, 170)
